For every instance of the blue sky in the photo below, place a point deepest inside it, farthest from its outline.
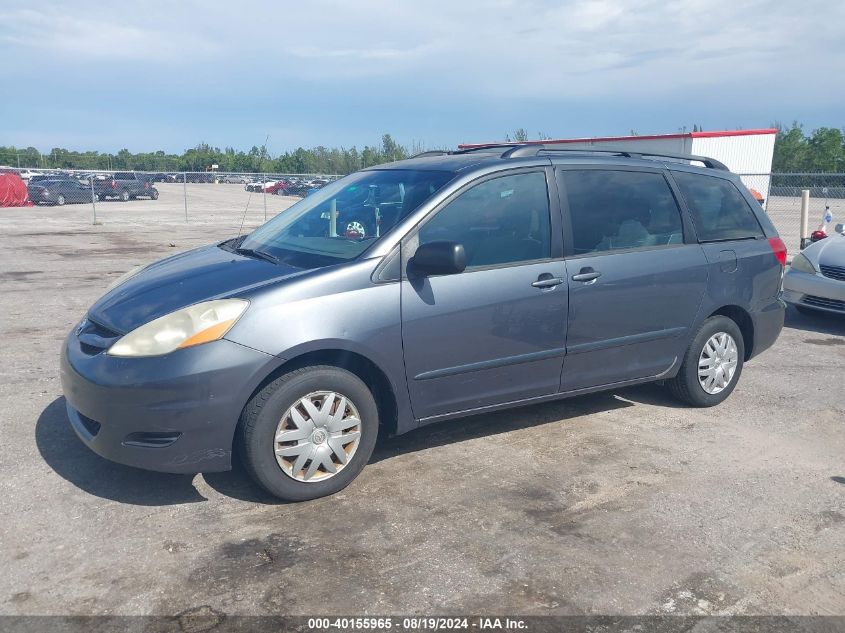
(168, 75)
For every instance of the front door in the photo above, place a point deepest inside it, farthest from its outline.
(495, 333)
(635, 284)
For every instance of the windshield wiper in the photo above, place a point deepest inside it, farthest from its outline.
(251, 252)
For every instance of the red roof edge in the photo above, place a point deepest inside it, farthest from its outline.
(644, 137)
(768, 130)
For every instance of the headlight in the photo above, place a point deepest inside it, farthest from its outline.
(124, 277)
(802, 264)
(196, 324)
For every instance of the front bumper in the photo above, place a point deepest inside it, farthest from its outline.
(814, 291)
(174, 413)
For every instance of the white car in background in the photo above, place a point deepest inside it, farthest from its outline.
(26, 174)
(259, 185)
(815, 281)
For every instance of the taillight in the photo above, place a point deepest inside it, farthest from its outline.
(113, 184)
(779, 249)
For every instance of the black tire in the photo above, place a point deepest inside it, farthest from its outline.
(154, 195)
(685, 386)
(60, 200)
(261, 417)
(124, 196)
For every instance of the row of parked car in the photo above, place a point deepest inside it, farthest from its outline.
(269, 183)
(68, 186)
(291, 186)
(60, 189)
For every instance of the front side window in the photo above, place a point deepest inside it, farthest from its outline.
(500, 221)
(718, 210)
(344, 218)
(612, 210)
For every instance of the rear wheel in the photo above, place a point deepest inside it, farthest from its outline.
(309, 433)
(124, 196)
(154, 195)
(712, 364)
(60, 200)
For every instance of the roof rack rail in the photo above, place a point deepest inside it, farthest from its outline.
(431, 152)
(534, 149)
(489, 147)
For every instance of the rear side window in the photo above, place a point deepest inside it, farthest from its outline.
(500, 221)
(719, 211)
(612, 210)
(122, 175)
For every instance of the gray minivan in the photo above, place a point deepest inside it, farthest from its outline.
(450, 284)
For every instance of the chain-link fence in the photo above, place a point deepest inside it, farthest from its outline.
(213, 196)
(781, 195)
(169, 196)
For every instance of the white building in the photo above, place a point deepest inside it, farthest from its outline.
(747, 152)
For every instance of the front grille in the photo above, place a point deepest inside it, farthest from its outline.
(100, 330)
(834, 272)
(92, 426)
(94, 337)
(821, 302)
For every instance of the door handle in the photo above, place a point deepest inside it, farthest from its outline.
(587, 274)
(547, 281)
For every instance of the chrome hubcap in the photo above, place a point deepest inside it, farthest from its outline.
(317, 436)
(717, 363)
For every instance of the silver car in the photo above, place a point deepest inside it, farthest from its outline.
(816, 278)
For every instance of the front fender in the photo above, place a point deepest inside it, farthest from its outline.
(340, 310)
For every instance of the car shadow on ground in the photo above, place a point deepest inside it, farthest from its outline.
(237, 483)
(819, 322)
(489, 424)
(77, 464)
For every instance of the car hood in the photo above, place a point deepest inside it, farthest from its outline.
(199, 275)
(828, 252)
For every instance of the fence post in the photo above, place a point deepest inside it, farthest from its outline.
(264, 191)
(93, 197)
(185, 192)
(805, 216)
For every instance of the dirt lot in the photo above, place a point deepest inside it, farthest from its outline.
(619, 503)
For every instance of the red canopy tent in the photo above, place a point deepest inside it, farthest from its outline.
(13, 191)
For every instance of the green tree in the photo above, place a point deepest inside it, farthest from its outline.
(790, 149)
(825, 146)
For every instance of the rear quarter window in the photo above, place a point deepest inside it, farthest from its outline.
(719, 211)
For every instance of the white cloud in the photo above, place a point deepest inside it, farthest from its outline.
(346, 60)
(67, 34)
(565, 49)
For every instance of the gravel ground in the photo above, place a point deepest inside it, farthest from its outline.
(617, 503)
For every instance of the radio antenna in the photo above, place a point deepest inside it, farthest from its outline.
(243, 217)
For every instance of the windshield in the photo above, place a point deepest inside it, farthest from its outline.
(344, 218)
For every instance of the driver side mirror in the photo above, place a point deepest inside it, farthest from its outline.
(438, 258)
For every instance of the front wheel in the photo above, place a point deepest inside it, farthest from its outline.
(309, 433)
(60, 200)
(712, 364)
